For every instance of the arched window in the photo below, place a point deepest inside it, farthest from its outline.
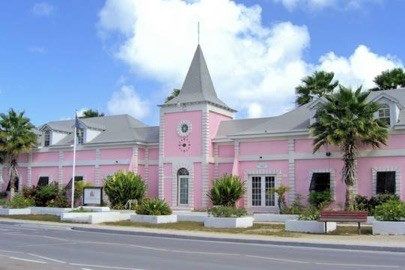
(384, 114)
(182, 186)
(47, 138)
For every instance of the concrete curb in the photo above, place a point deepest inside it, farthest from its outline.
(247, 241)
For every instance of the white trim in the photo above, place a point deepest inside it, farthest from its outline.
(397, 171)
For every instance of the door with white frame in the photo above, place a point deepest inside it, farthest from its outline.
(183, 178)
(260, 198)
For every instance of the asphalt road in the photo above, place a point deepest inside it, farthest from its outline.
(31, 246)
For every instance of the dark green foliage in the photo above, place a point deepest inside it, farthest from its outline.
(153, 207)
(310, 213)
(227, 211)
(347, 120)
(60, 200)
(390, 79)
(19, 201)
(392, 210)
(296, 208)
(91, 113)
(369, 204)
(227, 190)
(318, 84)
(124, 186)
(320, 199)
(44, 194)
(174, 94)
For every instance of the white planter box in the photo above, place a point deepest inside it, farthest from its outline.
(15, 211)
(197, 217)
(154, 219)
(49, 210)
(95, 217)
(309, 226)
(96, 208)
(222, 222)
(389, 227)
(273, 217)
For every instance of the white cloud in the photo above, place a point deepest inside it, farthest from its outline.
(322, 4)
(127, 101)
(37, 50)
(255, 68)
(358, 69)
(42, 9)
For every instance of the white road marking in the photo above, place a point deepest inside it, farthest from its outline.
(277, 259)
(359, 265)
(46, 258)
(27, 260)
(204, 253)
(103, 266)
(143, 247)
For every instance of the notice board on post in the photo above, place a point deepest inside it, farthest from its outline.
(93, 196)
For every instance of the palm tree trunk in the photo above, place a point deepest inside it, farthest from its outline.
(349, 173)
(13, 174)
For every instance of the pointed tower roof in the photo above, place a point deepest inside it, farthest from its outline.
(198, 86)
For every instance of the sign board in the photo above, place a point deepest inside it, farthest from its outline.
(92, 196)
(262, 166)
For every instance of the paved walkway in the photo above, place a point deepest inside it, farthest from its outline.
(394, 243)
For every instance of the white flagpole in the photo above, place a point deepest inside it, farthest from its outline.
(74, 164)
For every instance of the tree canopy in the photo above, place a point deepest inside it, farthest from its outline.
(315, 85)
(347, 120)
(16, 137)
(174, 94)
(91, 113)
(390, 79)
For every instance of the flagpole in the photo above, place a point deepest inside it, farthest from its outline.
(74, 163)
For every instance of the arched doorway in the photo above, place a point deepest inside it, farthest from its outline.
(182, 186)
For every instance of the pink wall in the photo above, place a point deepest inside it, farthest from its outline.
(215, 120)
(198, 185)
(226, 151)
(107, 170)
(51, 172)
(141, 153)
(86, 171)
(153, 182)
(153, 153)
(86, 155)
(116, 153)
(45, 156)
(172, 139)
(224, 168)
(22, 158)
(264, 147)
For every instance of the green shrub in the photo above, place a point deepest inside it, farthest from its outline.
(296, 208)
(310, 213)
(44, 194)
(60, 200)
(280, 191)
(364, 204)
(19, 201)
(227, 190)
(392, 210)
(124, 186)
(227, 211)
(319, 199)
(153, 207)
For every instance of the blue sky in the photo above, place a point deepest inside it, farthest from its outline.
(126, 56)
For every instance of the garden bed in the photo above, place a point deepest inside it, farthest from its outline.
(228, 222)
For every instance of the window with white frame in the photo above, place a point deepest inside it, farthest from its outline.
(384, 113)
(320, 181)
(47, 138)
(182, 185)
(260, 186)
(386, 182)
(80, 136)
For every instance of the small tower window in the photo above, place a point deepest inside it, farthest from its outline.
(47, 138)
(384, 114)
(80, 136)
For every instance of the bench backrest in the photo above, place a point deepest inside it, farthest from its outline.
(348, 216)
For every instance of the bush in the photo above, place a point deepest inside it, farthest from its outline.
(310, 213)
(296, 208)
(392, 210)
(124, 186)
(227, 211)
(153, 207)
(19, 201)
(44, 194)
(60, 200)
(364, 204)
(227, 190)
(320, 199)
(280, 191)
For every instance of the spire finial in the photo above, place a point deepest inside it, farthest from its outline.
(198, 32)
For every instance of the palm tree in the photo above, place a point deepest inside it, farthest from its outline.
(16, 137)
(316, 85)
(174, 94)
(390, 79)
(91, 113)
(347, 120)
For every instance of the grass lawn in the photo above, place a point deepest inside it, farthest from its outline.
(257, 229)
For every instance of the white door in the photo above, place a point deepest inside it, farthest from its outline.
(183, 190)
(259, 190)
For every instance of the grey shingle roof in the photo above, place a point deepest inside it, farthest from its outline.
(113, 129)
(198, 86)
(297, 120)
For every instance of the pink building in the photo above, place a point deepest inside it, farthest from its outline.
(198, 140)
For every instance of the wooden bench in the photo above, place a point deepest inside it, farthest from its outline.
(343, 216)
